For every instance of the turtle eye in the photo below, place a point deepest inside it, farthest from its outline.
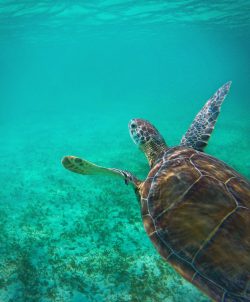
(133, 125)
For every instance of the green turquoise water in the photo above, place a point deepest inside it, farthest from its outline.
(72, 74)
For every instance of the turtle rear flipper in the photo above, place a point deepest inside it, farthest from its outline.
(200, 130)
(82, 166)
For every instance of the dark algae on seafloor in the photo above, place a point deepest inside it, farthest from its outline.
(195, 208)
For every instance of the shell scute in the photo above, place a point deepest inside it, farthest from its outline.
(184, 268)
(176, 175)
(209, 286)
(212, 167)
(179, 153)
(232, 298)
(225, 258)
(240, 192)
(164, 250)
(191, 220)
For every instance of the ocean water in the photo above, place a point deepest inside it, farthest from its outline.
(72, 74)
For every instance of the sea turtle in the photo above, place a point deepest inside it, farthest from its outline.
(195, 208)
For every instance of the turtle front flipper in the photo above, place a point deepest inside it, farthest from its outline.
(82, 166)
(200, 130)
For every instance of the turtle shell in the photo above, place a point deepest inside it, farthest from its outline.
(196, 211)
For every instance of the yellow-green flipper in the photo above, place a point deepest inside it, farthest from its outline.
(82, 166)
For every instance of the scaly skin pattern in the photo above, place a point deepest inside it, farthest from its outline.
(200, 130)
(196, 211)
(148, 138)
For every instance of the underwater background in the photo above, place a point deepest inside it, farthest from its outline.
(72, 74)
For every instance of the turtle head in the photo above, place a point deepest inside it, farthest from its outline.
(147, 138)
(141, 131)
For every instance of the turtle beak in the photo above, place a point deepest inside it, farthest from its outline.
(133, 128)
(68, 162)
(65, 161)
